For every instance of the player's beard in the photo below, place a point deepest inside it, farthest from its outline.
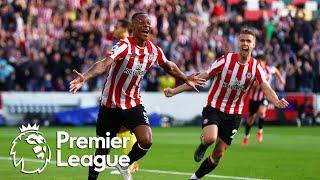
(244, 54)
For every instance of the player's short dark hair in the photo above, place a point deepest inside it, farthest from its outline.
(124, 23)
(261, 57)
(248, 31)
(135, 15)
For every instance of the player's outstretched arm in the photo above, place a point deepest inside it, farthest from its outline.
(169, 92)
(272, 96)
(192, 81)
(96, 69)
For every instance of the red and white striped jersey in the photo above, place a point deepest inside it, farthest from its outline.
(122, 86)
(231, 82)
(256, 93)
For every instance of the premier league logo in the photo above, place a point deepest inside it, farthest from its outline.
(35, 143)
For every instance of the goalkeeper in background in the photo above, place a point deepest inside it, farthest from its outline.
(121, 31)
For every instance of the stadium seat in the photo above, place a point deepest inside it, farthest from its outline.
(299, 2)
(252, 15)
(315, 15)
(287, 1)
(311, 5)
(233, 2)
(277, 5)
(252, 4)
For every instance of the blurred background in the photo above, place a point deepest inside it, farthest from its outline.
(42, 41)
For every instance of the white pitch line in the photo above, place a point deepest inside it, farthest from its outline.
(157, 171)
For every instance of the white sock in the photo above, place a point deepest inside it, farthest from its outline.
(194, 177)
(124, 167)
(260, 130)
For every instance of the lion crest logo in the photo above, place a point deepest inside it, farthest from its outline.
(30, 142)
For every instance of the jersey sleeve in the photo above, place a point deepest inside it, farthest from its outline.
(119, 51)
(217, 66)
(260, 75)
(161, 58)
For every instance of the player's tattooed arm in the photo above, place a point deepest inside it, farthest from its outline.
(98, 68)
(193, 81)
(95, 70)
(169, 92)
(272, 96)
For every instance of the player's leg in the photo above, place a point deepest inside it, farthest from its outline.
(212, 161)
(208, 137)
(253, 108)
(136, 120)
(227, 129)
(144, 141)
(249, 123)
(109, 120)
(210, 122)
(262, 114)
(125, 133)
(134, 167)
(139, 149)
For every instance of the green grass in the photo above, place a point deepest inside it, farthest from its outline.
(286, 153)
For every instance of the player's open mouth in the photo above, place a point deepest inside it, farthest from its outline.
(245, 48)
(145, 32)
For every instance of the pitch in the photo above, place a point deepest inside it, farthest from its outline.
(286, 153)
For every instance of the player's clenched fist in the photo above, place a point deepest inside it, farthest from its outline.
(168, 92)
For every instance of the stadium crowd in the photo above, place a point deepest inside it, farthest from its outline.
(42, 41)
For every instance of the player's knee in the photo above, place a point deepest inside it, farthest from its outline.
(208, 140)
(145, 142)
(250, 121)
(217, 154)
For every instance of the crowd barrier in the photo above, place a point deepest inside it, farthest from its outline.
(183, 107)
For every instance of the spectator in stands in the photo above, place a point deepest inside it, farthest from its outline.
(71, 33)
(47, 84)
(165, 81)
(6, 75)
(306, 113)
(316, 69)
(291, 78)
(306, 78)
(152, 81)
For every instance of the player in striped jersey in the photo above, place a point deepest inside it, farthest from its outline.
(233, 74)
(120, 102)
(121, 31)
(258, 103)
